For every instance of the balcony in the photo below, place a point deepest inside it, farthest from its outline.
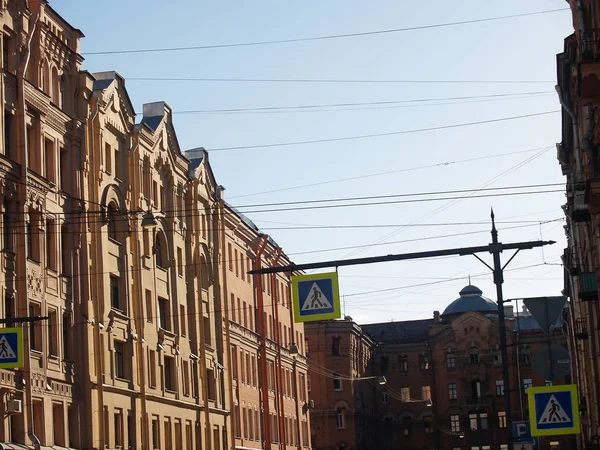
(577, 204)
(581, 331)
(590, 65)
(588, 286)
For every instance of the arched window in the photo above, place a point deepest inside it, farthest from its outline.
(474, 355)
(55, 86)
(61, 93)
(111, 218)
(44, 78)
(340, 418)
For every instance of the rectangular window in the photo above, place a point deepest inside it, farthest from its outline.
(62, 168)
(428, 424)
(178, 436)
(115, 298)
(505, 447)
(32, 147)
(476, 390)
(163, 198)
(117, 164)
(50, 244)
(499, 387)
(450, 360)
(384, 398)
(49, 161)
(179, 261)
(426, 393)
(497, 358)
(6, 226)
(243, 367)
(107, 158)
(66, 336)
(155, 192)
(235, 261)
(33, 236)
(337, 382)
(473, 423)
(168, 437)
(163, 314)
(35, 329)
(155, 433)
(554, 445)
(527, 383)
(120, 360)
(152, 368)
(8, 130)
(186, 378)
(405, 394)
(501, 419)
(452, 391)
(335, 346)
(455, 423)
(483, 421)
(248, 369)
(424, 362)
(211, 384)
(118, 427)
(182, 319)
(254, 371)
(384, 363)
(548, 383)
(230, 256)
(234, 362)
(207, 331)
(5, 52)
(149, 312)
(169, 367)
(65, 251)
(403, 363)
(52, 333)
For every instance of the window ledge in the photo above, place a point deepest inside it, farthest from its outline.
(114, 241)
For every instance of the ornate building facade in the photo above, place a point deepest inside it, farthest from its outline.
(579, 95)
(122, 246)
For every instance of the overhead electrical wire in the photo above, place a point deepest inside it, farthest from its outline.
(323, 37)
(374, 135)
(331, 80)
(391, 172)
(403, 103)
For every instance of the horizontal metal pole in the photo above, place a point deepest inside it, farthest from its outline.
(491, 248)
(23, 319)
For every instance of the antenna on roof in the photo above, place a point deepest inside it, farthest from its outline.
(469, 279)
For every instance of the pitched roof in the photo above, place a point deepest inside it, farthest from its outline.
(400, 332)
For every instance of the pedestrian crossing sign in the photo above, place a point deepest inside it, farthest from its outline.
(316, 297)
(553, 410)
(11, 348)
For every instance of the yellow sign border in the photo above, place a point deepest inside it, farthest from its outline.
(572, 389)
(337, 312)
(19, 363)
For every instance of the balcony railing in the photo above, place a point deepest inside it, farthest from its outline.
(588, 286)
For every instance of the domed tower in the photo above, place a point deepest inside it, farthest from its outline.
(471, 299)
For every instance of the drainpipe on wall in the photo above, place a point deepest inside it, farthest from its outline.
(227, 350)
(22, 146)
(139, 319)
(278, 339)
(262, 344)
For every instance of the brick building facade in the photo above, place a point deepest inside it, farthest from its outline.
(444, 386)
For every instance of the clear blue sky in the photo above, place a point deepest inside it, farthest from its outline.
(512, 49)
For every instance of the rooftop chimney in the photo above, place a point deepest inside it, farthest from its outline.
(436, 317)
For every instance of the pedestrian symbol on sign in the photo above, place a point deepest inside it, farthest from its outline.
(553, 413)
(316, 299)
(6, 351)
